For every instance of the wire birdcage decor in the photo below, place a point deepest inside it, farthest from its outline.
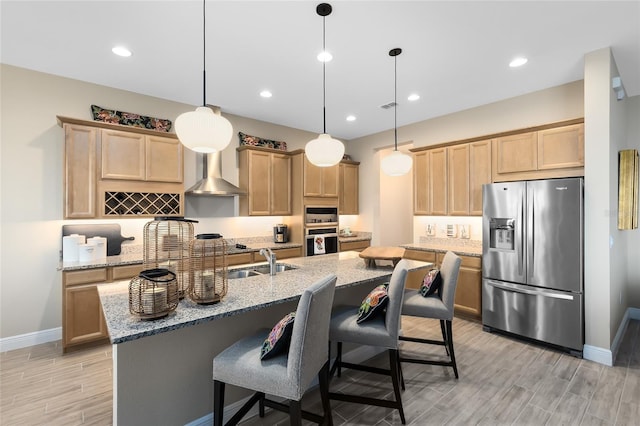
(208, 264)
(153, 293)
(166, 245)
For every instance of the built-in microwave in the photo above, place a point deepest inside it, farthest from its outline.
(320, 216)
(320, 241)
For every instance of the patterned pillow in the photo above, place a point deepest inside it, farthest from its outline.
(431, 283)
(129, 119)
(374, 303)
(265, 143)
(279, 337)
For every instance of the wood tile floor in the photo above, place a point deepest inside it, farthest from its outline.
(502, 382)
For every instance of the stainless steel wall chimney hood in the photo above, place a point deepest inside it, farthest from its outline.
(212, 182)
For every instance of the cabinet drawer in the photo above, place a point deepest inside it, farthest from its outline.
(288, 252)
(471, 262)
(425, 256)
(355, 245)
(84, 276)
(238, 259)
(125, 272)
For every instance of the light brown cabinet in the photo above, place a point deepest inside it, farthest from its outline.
(479, 173)
(320, 181)
(458, 180)
(354, 245)
(430, 182)
(348, 198)
(546, 153)
(266, 177)
(114, 171)
(468, 298)
(82, 318)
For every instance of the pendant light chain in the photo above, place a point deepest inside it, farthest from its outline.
(324, 77)
(204, 54)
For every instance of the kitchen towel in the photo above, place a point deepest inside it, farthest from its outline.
(318, 245)
(70, 247)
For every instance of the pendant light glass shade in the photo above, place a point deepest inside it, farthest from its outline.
(397, 163)
(203, 130)
(324, 151)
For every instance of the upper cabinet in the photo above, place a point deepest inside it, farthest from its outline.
(266, 177)
(430, 182)
(348, 199)
(448, 178)
(320, 181)
(546, 153)
(116, 171)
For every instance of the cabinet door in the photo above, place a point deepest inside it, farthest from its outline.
(561, 147)
(421, 183)
(458, 183)
(516, 153)
(330, 181)
(280, 184)
(163, 159)
(348, 200)
(123, 155)
(438, 181)
(80, 171)
(479, 174)
(83, 318)
(312, 179)
(259, 183)
(468, 299)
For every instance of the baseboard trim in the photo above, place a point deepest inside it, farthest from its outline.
(634, 313)
(30, 339)
(596, 354)
(605, 356)
(357, 355)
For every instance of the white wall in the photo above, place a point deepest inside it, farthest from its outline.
(631, 238)
(31, 186)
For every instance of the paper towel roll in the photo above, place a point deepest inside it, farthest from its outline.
(100, 244)
(70, 247)
(86, 252)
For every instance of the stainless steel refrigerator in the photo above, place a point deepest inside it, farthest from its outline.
(532, 260)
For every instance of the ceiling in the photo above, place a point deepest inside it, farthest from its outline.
(455, 54)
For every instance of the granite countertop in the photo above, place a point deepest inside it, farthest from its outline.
(244, 294)
(133, 255)
(456, 245)
(356, 236)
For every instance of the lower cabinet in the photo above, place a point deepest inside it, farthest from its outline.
(468, 299)
(354, 245)
(82, 318)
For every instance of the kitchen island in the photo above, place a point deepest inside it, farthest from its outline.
(162, 368)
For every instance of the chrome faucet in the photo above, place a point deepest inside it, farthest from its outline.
(271, 257)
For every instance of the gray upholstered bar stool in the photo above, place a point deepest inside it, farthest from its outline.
(438, 306)
(287, 375)
(382, 331)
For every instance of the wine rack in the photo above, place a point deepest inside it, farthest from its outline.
(117, 203)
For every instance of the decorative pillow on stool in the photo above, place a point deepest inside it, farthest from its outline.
(279, 337)
(374, 303)
(431, 283)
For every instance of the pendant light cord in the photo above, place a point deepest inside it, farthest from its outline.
(204, 50)
(395, 101)
(324, 79)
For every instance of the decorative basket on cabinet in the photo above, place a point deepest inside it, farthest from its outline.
(208, 269)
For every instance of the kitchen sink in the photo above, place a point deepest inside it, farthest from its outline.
(257, 270)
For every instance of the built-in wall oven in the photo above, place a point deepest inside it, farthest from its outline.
(321, 230)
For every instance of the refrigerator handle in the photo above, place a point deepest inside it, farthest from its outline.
(530, 233)
(543, 293)
(519, 235)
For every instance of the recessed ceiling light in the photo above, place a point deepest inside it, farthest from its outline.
(413, 97)
(351, 118)
(518, 62)
(266, 94)
(121, 51)
(325, 56)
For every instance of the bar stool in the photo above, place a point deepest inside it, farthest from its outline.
(382, 331)
(287, 375)
(438, 306)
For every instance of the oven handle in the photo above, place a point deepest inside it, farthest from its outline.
(321, 235)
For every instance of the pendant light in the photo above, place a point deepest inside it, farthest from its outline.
(203, 130)
(396, 163)
(324, 151)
